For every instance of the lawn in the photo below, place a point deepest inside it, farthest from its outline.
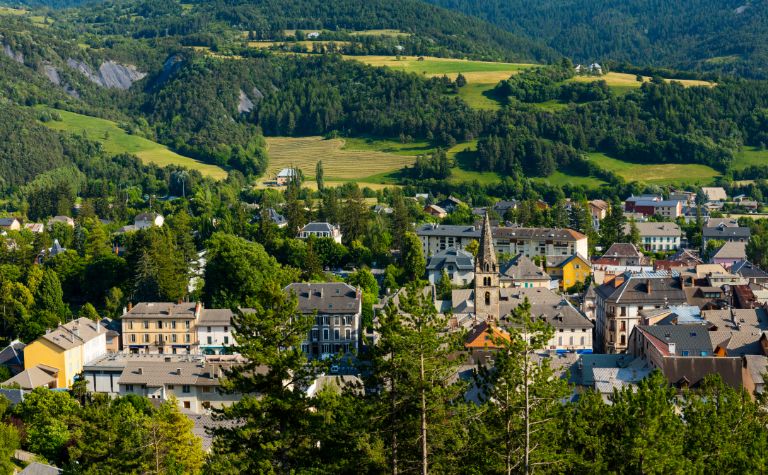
(750, 156)
(116, 140)
(562, 178)
(340, 164)
(660, 174)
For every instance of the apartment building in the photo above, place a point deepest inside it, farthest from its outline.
(162, 327)
(620, 300)
(337, 308)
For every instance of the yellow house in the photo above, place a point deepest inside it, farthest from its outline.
(571, 271)
(67, 348)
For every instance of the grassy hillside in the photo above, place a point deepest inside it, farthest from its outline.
(116, 140)
(340, 163)
(750, 156)
(659, 174)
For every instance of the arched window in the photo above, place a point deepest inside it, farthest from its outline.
(487, 298)
(487, 267)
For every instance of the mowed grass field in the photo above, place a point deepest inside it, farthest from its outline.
(116, 140)
(340, 164)
(660, 174)
(309, 45)
(750, 156)
(482, 76)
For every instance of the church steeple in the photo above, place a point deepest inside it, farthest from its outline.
(486, 276)
(486, 256)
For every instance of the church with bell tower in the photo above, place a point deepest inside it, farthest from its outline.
(486, 276)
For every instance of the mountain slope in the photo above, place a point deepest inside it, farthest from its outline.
(729, 36)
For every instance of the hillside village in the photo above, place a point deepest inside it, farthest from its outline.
(650, 301)
(401, 236)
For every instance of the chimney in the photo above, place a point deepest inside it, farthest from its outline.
(167, 359)
(130, 306)
(672, 348)
(648, 286)
(198, 309)
(139, 371)
(178, 371)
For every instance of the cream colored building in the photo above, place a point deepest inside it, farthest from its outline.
(161, 327)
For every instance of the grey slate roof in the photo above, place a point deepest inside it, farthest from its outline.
(318, 227)
(693, 339)
(215, 316)
(748, 270)
(75, 333)
(13, 354)
(656, 229)
(448, 230)
(738, 330)
(724, 232)
(160, 373)
(622, 249)
(333, 297)
(545, 305)
(732, 250)
(460, 258)
(689, 372)
(523, 268)
(6, 222)
(155, 310)
(663, 287)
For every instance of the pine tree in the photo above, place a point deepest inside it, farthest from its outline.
(320, 175)
(522, 398)
(274, 415)
(414, 264)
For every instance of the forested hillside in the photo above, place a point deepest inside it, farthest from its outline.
(729, 36)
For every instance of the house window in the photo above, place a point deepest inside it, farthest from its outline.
(129, 387)
(171, 386)
(226, 340)
(336, 321)
(146, 324)
(206, 389)
(187, 405)
(209, 329)
(325, 334)
(623, 340)
(623, 311)
(133, 338)
(336, 334)
(487, 298)
(186, 338)
(226, 329)
(185, 388)
(173, 338)
(210, 340)
(130, 325)
(145, 338)
(159, 324)
(186, 324)
(348, 334)
(314, 334)
(173, 324)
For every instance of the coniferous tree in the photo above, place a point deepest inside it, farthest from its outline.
(275, 420)
(522, 399)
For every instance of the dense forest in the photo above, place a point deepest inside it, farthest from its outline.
(728, 36)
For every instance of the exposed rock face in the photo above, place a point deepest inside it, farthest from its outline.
(14, 55)
(119, 76)
(111, 75)
(257, 95)
(52, 74)
(245, 105)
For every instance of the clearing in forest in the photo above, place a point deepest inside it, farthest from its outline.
(624, 82)
(357, 162)
(482, 76)
(656, 173)
(116, 140)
